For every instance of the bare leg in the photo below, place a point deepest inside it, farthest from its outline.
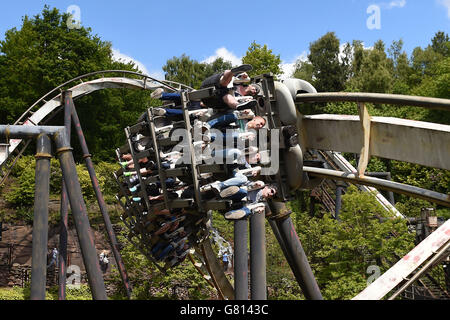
(230, 101)
(226, 78)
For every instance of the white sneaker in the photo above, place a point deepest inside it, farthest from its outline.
(216, 186)
(157, 94)
(244, 114)
(257, 207)
(229, 192)
(200, 124)
(163, 129)
(199, 112)
(256, 185)
(247, 135)
(205, 188)
(241, 78)
(247, 104)
(170, 154)
(252, 150)
(237, 214)
(158, 111)
(249, 172)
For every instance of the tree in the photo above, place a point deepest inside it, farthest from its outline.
(441, 43)
(340, 252)
(328, 72)
(184, 70)
(191, 72)
(375, 74)
(401, 68)
(43, 54)
(304, 70)
(262, 59)
(217, 66)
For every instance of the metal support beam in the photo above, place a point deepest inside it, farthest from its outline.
(101, 202)
(339, 189)
(79, 212)
(312, 206)
(412, 191)
(387, 176)
(40, 221)
(240, 260)
(300, 265)
(64, 207)
(258, 283)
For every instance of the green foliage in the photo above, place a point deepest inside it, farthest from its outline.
(329, 73)
(184, 70)
(304, 70)
(375, 74)
(22, 193)
(43, 54)
(191, 72)
(17, 293)
(262, 59)
(340, 252)
(150, 284)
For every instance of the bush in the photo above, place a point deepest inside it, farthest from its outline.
(22, 192)
(17, 293)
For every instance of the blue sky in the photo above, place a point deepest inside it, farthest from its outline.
(151, 32)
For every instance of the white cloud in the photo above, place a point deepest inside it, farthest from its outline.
(288, 68)
(225, 55)
(446, 4)
(121, 57)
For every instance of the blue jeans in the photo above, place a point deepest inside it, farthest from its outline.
(223, 121)
(238, 180)
(174, 112)
(170, 183)
(238, 196)
(176, 97)
(247, 211)
(159, 255)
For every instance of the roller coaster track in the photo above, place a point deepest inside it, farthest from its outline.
(44, 109)
(388, 138)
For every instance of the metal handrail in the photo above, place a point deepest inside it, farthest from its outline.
(417, 101)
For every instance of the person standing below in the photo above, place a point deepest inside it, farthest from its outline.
(53, 258)
(104, 261)
(225, 261)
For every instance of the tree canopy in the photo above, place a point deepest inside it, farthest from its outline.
(262, 59)
(45, 53)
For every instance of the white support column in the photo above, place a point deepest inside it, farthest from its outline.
(365, 151)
